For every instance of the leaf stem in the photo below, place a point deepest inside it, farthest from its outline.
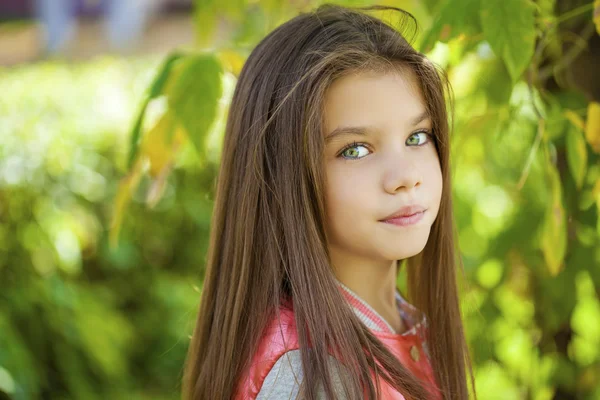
(574, 12)
(570, 56)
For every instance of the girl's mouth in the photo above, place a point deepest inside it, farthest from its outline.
(405, 220)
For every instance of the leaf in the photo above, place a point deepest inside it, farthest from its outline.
(576, 155)
(257, 23)
(18, 358)
(575, 119)
(127, 185)
(597, 15)
(585, 234)
(159, 147)
(231, 61)
(592, 126)
(554, 235)
(596, 195)
(156, 144)
(496, 82)
(454, 18)
(509, 27)
(158, 187)
(208, 13)
(586, 199)
(154, 91)
(194, 96)
(7, 383)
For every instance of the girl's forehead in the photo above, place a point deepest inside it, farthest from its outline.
(373, 99)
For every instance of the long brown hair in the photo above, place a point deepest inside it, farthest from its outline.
(268, 240)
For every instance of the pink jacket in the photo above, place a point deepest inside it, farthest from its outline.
(410, 347)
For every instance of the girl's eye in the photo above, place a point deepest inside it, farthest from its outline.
(418, 139)
(352, 152)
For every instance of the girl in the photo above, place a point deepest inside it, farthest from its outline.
(335, 168)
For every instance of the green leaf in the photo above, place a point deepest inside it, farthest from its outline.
(154, 91)
(597, 15)
(454, 17)
(7, 383)
(194, 96)
(17, 352)
(257, 23)
(125, 191)
(209, 12)
(585, 234)
(554, 234)
(509, 27)
(556, 123)
(496, 82)
(576, 155)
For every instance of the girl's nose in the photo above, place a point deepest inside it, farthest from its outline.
(402, 176)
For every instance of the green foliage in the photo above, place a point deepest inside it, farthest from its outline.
(79, 320)
(88, 311)
(508, 25)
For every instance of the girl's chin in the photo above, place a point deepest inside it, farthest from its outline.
(395, 253)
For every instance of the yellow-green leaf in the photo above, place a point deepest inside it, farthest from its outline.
(160, 147)
(575, 119)
(161, 142)
(231, 61)
(155, 90)
(554, 235)
(576, 155)
(127, 186)
(592, 126)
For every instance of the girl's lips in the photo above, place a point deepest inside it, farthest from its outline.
(407, 220)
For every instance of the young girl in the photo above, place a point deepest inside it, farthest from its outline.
(334, 170)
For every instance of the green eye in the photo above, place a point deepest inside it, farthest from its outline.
(417, 139)
(353, 152)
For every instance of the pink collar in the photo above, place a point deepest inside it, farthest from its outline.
(411, 316)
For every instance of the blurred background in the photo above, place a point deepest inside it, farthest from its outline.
(111, 119)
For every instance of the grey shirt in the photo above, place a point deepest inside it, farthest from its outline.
(284, 379)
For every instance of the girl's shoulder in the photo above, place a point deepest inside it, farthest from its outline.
(275, 371)
(284, 379)
(278, 338)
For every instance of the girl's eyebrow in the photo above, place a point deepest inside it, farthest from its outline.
(346, 131)
(364, 130)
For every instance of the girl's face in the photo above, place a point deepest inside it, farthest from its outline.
(371, 175)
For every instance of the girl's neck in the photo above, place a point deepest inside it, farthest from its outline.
(374, 283)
